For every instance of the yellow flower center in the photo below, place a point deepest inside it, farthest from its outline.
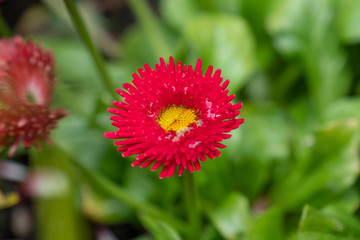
(176, 118)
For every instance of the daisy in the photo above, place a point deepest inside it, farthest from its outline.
(27, 81)
(173, 117)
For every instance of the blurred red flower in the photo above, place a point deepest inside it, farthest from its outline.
(27, 81)
(174, 117)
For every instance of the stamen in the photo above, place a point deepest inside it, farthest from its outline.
(177, 118)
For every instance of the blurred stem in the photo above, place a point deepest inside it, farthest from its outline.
(192, 205)
(151, 26)
(4, 29)
(84, 34)
(121, 195)
(57, 216)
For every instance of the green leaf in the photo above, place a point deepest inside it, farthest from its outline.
(330, 167)
(350, 222)
(303, 28)
(295, 24)
(266, 226)
(212, 177)
(255, 11)
(225, 42)
(210, 233)
(160, 230)
(70, 136)
(178, 12)
(326, 224)
(344, 108)
(315, 221)
(79, 84)
(347, 20)
(257, 146)
(137, 48)
(232, 217)
(347, 204)
(136, 178)
(264, 133)
(319, 236)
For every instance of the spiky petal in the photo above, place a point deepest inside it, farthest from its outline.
(27, 81)
(173, 117)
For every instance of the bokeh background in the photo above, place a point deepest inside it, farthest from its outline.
(291, 171)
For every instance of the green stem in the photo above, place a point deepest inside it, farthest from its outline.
(121, 195)
(192, 205)
(57, 215)
(80, 26)
(151, 26)
(4, 29)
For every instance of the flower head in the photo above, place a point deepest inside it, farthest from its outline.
(27, 81)
(173, 117)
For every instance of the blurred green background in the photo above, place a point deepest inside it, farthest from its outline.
(291, 171)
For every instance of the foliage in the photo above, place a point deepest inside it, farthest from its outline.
(291, 171)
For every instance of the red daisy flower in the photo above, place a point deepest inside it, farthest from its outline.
(27, 81)
(173, 117)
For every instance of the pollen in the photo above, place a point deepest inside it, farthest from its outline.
(177, 118)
